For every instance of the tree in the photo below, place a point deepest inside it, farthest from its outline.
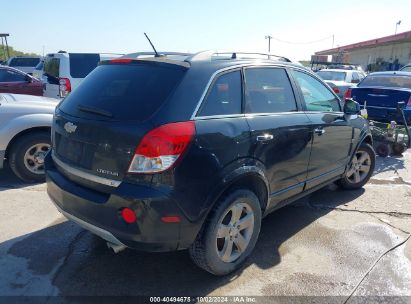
(13, 53)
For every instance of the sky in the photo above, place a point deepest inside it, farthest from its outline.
(298, 28)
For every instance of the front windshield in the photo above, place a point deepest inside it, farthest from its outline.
(332, 75)
(406, 68)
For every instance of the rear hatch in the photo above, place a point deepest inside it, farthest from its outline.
(98, 126)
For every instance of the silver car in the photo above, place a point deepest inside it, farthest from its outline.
(341, 80)
(25, 122)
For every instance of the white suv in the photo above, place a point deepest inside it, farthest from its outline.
(63, 71)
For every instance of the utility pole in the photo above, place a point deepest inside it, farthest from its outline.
(4, 35)
(269, 42)
(333, 42)
(396, 26)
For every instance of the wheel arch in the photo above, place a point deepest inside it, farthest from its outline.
(249, 176)
(24, 133)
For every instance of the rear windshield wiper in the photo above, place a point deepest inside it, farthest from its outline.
(94, 111)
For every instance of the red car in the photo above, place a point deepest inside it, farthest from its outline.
(17, 82)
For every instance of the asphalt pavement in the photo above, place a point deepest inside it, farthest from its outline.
(330, 243)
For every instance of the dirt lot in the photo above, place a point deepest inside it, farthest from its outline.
(322, 245)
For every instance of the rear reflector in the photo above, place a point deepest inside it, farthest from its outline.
(171, 219)
(161, 147)
(347, 94)
(128, 215)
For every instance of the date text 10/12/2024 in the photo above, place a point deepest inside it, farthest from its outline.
(206, 299)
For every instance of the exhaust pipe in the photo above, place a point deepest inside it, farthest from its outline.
(116, 248)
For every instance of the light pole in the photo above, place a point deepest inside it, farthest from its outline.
(269, 42)
(396, 26)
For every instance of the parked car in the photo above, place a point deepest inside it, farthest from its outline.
(340, 80)
(25, 64)
(25, 133)
(406, 68)
(380, 92)
(63, 71)
(15, 81)
(160, 154)
(38, 70)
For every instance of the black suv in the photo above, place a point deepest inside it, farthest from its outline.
(191, 151)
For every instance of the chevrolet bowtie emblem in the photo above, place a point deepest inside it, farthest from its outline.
(70, 127)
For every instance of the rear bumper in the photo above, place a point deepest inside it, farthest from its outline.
(388, 114)
(100, 213)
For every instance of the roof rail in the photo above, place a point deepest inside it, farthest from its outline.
(233, 55)
(140, 54)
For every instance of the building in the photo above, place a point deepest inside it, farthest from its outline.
(381, 54)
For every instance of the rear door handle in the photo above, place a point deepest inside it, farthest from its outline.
(265, 137)
(319, 131)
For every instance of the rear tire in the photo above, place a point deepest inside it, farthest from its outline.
(229, 234)
(360, 169)
(26, 157)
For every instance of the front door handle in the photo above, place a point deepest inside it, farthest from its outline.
(265, 137)
(319, 131)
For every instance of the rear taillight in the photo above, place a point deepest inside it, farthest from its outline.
(160, 148)
(65, 87)
(347, 94)
(409, 102)
(336, 90)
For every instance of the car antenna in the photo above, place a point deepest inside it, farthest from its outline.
(155, 51)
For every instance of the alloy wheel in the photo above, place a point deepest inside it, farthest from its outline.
(359, 168)
(234, 232)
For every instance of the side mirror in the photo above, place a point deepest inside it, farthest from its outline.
(27, 78)
(351, 107)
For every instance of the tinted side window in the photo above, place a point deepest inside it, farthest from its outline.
(3, 74)
(24, 62)
(268, 90)
(224, 98)
(82, 64)
(52, 67)
(355, 78)
(317, 96)
(11, 76)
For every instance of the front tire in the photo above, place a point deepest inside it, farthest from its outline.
(360, 169)
(229, 234)
(27, 154)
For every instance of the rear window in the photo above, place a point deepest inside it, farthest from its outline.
(391, 81)
(127, 92)
(82, 64)
(24, 62)
(329, 75)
